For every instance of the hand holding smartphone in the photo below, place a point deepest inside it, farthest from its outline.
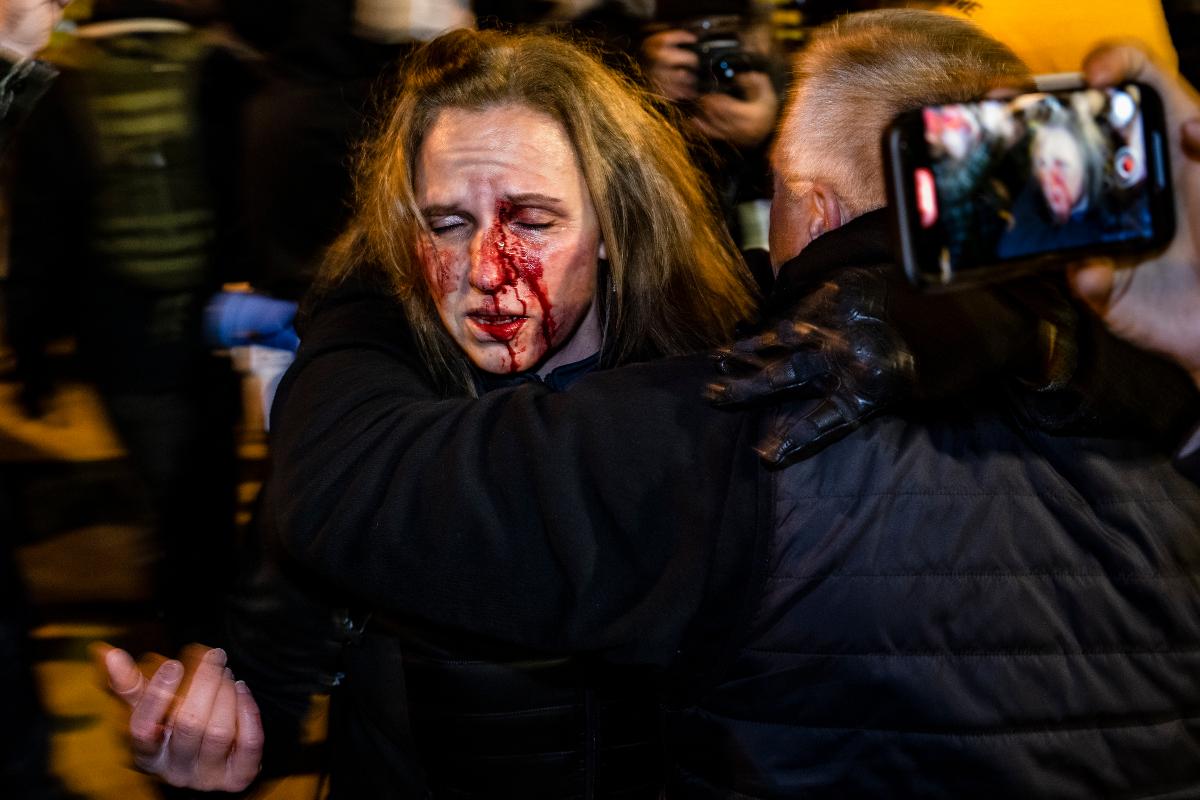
(1151, 299)
(987, 190)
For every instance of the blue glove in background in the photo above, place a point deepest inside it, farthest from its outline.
(234, 319)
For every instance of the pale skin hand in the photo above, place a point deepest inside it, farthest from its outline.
(670, 68)
(1154, 304)
(742, 122)
(193, 726)
(25, 25)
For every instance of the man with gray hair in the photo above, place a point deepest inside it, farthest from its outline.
(974, 597)
(850, 82)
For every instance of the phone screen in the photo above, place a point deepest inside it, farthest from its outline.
(1003, 181)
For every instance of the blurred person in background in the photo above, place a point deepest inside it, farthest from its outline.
(717, 61)
(929, 589)
(976, 199)
(120, 199)
(311, 103)
(312, 106)
(25, 27)
(614, 27)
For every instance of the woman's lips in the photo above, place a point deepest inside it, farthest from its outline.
(1058, 198)
(499, 327)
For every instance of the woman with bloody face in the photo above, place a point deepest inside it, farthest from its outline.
(536, 220)
(1069, 156)
(531, 218)
(1073, 198)
(530, 209)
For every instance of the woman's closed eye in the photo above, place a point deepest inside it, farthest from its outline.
(442, 225)
(534, 219)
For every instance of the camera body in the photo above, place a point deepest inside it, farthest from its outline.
(721, 54)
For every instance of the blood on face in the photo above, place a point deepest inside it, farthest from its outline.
(520, 267)
(514, 243)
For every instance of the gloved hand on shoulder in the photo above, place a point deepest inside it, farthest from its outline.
(862, 341)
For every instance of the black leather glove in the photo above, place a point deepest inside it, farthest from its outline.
(863, 341)
(835, 347)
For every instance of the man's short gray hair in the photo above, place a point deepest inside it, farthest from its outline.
(862, 70)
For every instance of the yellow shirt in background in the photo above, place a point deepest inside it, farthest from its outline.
(1055, 35)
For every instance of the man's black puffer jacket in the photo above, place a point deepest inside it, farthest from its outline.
(965, 609)
(959, 604)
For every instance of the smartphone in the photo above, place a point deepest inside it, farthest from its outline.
(984, 191)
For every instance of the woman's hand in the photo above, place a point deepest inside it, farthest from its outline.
(191, 724)
(1155, 303)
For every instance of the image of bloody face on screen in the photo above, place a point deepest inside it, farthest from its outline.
(1058, 163)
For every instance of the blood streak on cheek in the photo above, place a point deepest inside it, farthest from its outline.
(520, 266)
(445, 271)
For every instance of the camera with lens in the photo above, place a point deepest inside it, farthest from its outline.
(722, 56)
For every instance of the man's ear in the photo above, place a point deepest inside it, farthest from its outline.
(826, 212)
(801, 211)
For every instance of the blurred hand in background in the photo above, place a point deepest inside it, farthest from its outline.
(744, 119)
(25, 25)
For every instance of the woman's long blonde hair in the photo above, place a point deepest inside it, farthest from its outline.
(678, 283)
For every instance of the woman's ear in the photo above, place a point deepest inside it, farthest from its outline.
(602, 253)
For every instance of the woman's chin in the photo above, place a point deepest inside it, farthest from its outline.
(502, 358)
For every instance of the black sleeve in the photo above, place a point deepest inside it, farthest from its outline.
(48, 228)
(596, 519)
(21, 86)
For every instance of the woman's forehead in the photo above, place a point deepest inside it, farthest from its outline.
(1055, 136)
(497, 129)
(509, 144)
